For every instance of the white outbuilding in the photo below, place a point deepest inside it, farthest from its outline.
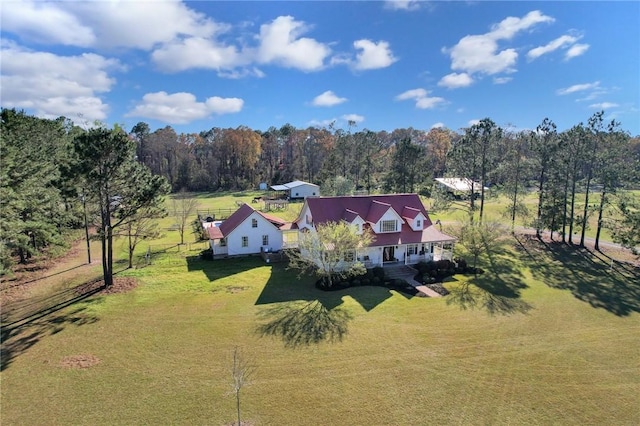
(298, 189)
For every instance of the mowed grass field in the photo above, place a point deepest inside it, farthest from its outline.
(549, 336)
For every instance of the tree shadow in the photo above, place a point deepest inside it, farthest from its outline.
(469, 296)
(304, 323)
(285, 285)
(23, 328)
(589, 276)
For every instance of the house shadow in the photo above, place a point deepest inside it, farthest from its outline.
(590, 276)
(299, 314)
(217, 269)
(25, 325)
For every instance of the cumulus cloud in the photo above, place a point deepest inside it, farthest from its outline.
(280, 43)
(128, 24)
(456, 80)
(437, 125)
(421, 98)
(53, 86)
(481, 53)
(372, 55)
(576, 50)
(327, 99)
(578, 88)
(196, 52)
(45, 23)
(473, 122)
(182, 108)
(356, 118)
(604, 105)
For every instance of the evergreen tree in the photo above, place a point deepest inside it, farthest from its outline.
(120, 186)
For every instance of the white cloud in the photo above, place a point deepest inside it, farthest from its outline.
(353, 117)
(53, 86)
(402, 4)
(45, 23)
(437, 126)
(182, 108)
(578, 88)
(456, 80)
(196, 52)
(473, 122)
(118, 23)
(560, 42)
(372, 55)
(604, 105)
(280, 44)
(421, 97)
(576, 50)
(481, 54)
(327, 99)
(501, 80)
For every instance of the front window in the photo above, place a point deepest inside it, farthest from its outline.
(245, 241)
(223, 242)
(412, 249)
(389, 225)
(265, 240)
(254, 223)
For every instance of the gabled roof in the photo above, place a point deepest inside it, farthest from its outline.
(291, 185)
(410, 212)
(238, 217)
(369, 207)
(349, 215)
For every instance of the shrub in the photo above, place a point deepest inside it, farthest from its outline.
(376, 281)
(355, 282)
(378, 272)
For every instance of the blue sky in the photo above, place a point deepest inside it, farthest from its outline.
(382, 65)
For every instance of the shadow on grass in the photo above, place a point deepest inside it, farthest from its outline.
(304, 323)
(590, 276)
(468, 295)
(497, 291)
(26, 325)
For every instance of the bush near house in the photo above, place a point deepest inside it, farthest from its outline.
(436, 271)
(373, 277)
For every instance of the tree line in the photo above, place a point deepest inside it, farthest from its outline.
(52, 170)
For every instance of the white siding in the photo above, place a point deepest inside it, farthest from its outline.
(304, 191)
(389, 215)
(254, 235)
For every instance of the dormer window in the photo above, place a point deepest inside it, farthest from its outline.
(418, 223)
(389, 226)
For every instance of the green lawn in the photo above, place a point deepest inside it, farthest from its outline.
(550, 336)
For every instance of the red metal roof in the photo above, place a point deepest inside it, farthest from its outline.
(373, 207)
(369, 207)
(239, 216)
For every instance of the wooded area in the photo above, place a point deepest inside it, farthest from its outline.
(51, 169)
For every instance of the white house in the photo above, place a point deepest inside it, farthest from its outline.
(298, 189)
(246, 231)
(402, 229)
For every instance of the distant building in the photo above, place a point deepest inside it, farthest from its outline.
(298, 189)
(460, 187)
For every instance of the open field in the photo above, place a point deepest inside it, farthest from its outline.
(550, 336)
